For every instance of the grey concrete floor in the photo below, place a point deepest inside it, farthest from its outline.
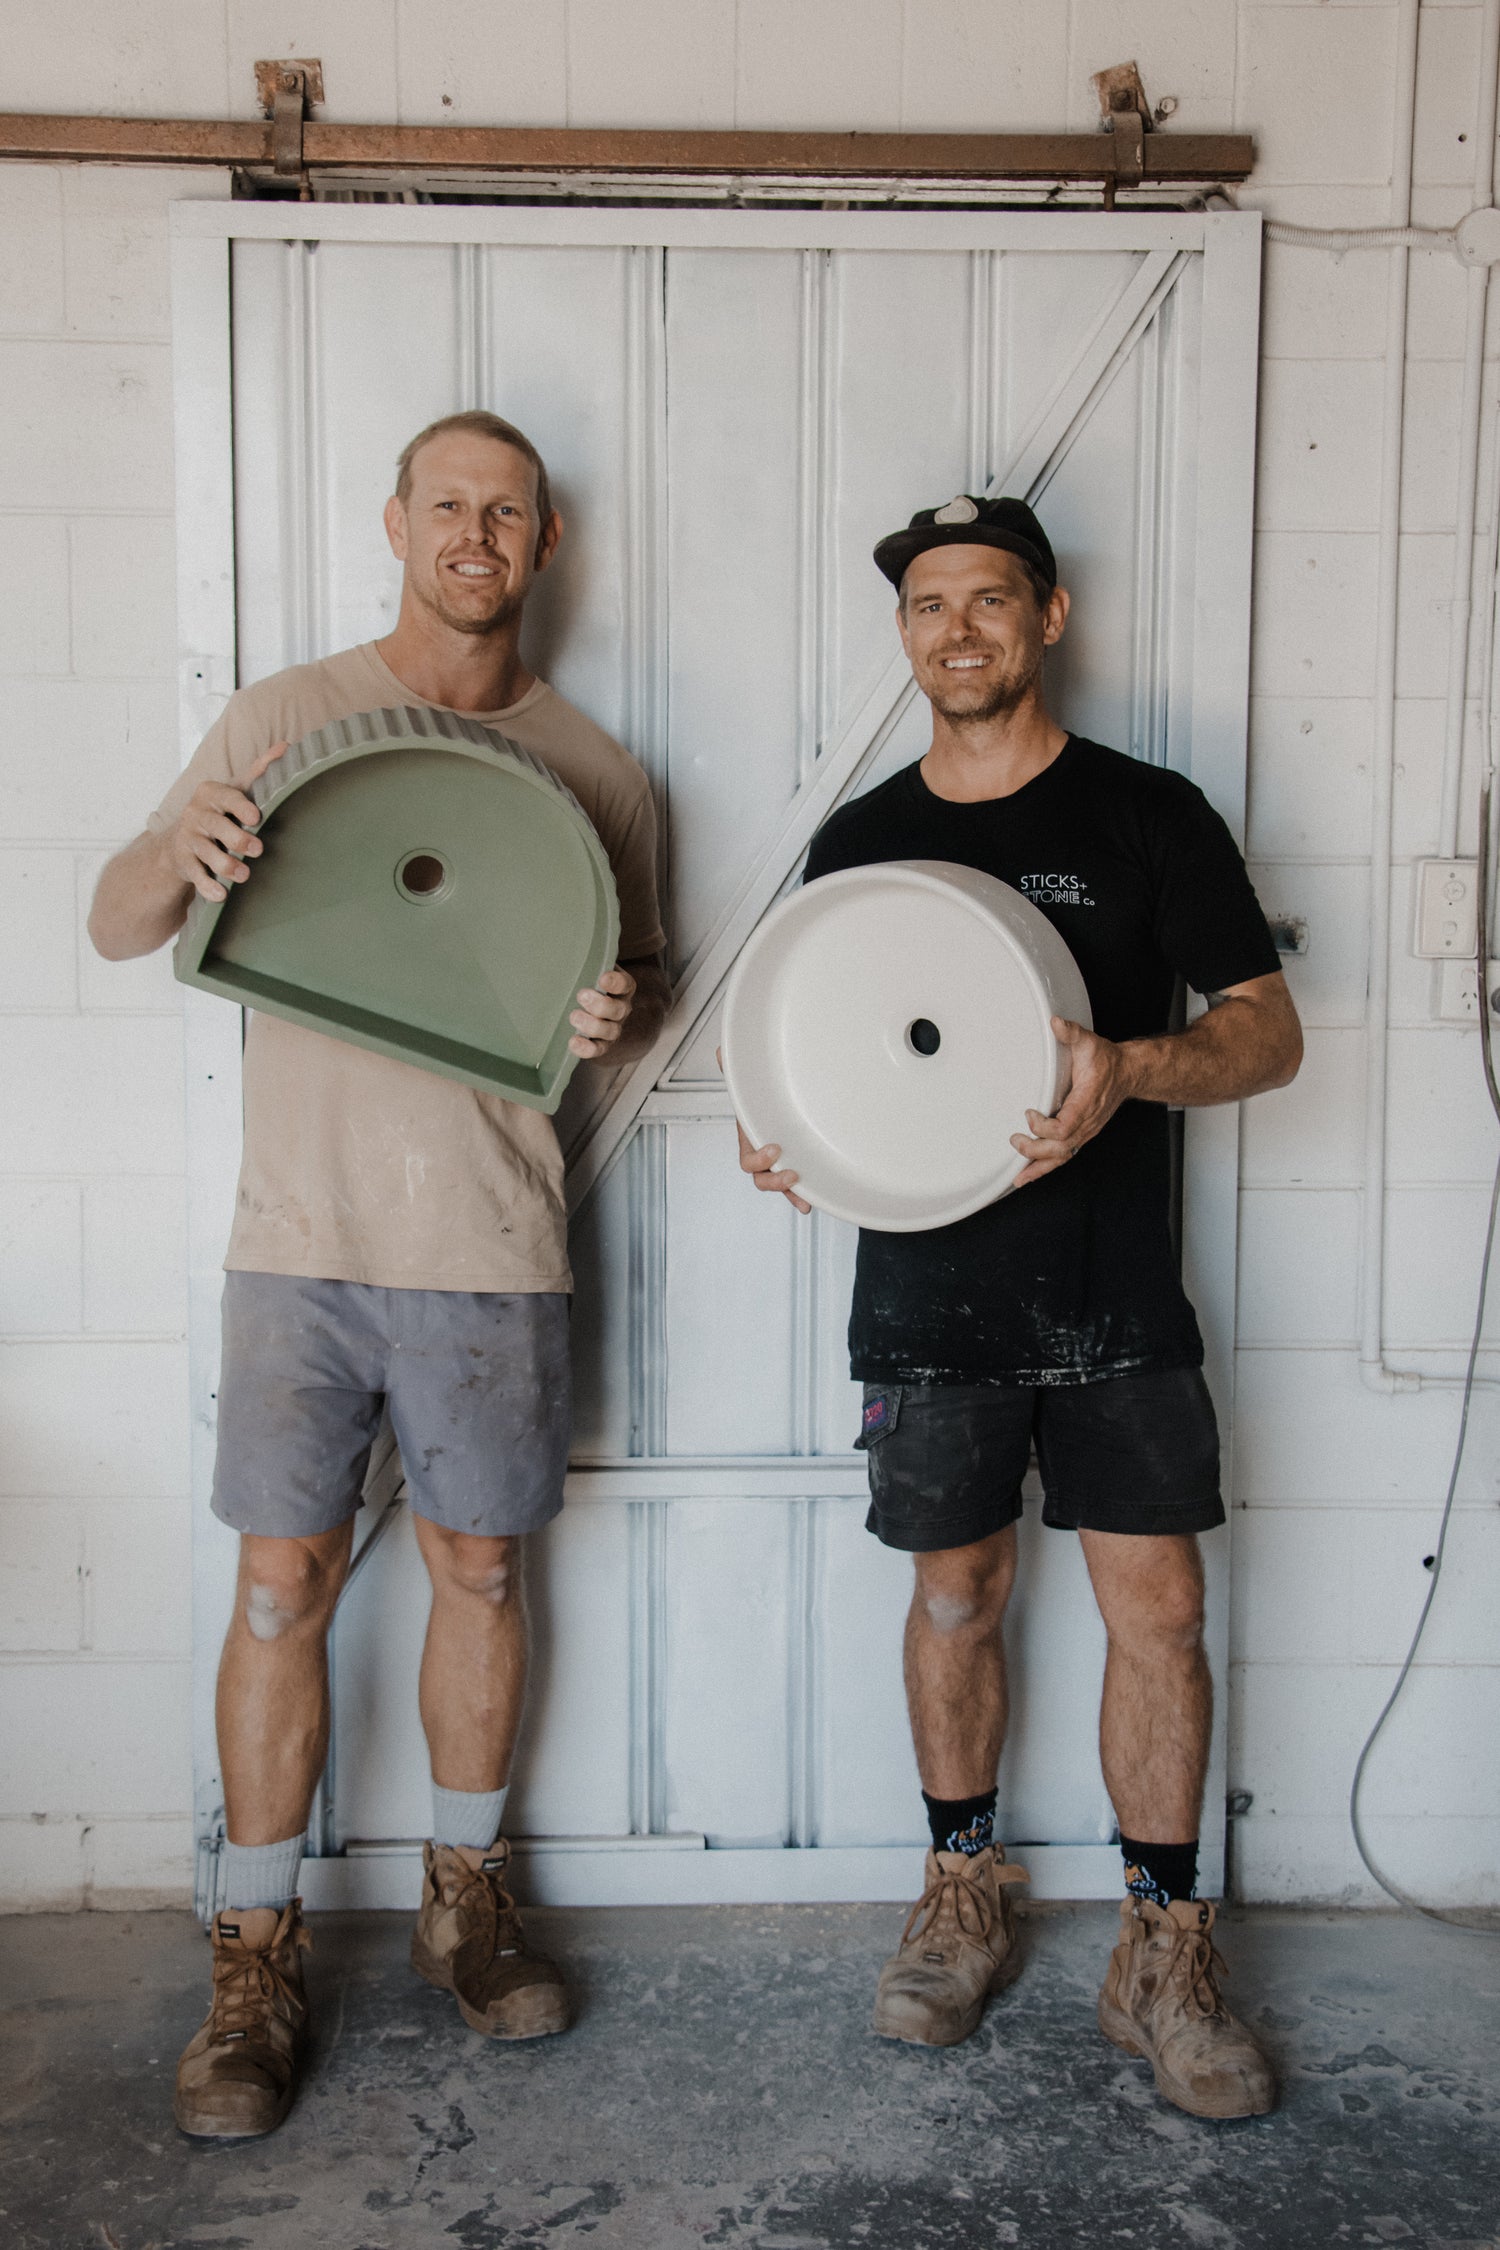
(721, 2087)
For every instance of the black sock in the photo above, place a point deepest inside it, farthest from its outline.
(1161, 1872)
(961, 1824)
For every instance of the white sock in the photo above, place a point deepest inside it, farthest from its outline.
(261, 1874)
(466, 1816)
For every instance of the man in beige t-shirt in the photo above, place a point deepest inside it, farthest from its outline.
(399, 1239)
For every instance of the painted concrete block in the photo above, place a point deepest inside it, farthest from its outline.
(1299, 1253)
(140, 1863)
(31, 250)
(1309, 777)
(1413, 997)
(983, 66)
(115, 218)
(1447, 95)
(135, 1256)
(112, 756)
(1311, 1133)
(836, 66)
(1426, 592)
(90, 1419)
(1292, 61)
(354, 39)
(145, 984)
(96, 1738)
(76, 58)
(1434, 1758)
(1183, 48)
(1434, 1239)
(42, 1866)
(1440, 1123)
(1306, 1428)
(1429, 468)
(1328, 981)
(112, 401)
(33, 594)
(1319, 306)
(100, 1094)
(41, 1575)
(1319, 457)
(1420, 727)
(139, 1565)
(38, 937)
(1436, 307)
(1314, 630)
(670, 64)
(1310, 1859)
(481, 62)
(124, 606)
(1346, 1585)
(41, 1264)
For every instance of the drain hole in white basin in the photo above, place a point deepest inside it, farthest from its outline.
(923, 1037)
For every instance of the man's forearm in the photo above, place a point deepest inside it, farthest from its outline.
(140, 902)
(1239, 1048)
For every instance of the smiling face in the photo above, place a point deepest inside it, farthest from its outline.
(971, 625)
(469, 532)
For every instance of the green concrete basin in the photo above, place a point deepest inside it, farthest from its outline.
(429, 890)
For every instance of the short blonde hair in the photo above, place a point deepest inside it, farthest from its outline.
(478, 422)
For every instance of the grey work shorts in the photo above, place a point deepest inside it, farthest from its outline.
(479, 1387)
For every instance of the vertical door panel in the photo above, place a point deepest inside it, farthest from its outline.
(736, 431)
(727, 1638)
(572, 1773)
(729, 1301)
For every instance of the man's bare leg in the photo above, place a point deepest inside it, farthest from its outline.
(473, 1681)
(959, 1943)
(468, 1939)
(954, 1662)
(272, 1705)
(1157, 1707)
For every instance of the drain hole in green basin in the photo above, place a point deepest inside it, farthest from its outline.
(422, 875)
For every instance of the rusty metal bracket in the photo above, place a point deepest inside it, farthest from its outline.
(288, 90)
(1125, 114)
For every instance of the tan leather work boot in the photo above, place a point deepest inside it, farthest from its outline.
(469, 1941)
(1160, 2000)
(959, 1946)
(238, 2072)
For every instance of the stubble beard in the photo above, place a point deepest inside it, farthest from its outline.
(506, 612)
(1003, 696)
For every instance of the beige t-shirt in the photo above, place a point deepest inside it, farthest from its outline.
(360, 1168)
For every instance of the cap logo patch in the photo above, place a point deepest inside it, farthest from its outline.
(959, 510)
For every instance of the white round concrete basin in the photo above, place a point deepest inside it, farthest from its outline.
(890, 1027)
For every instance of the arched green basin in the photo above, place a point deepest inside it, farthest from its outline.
(428, 889)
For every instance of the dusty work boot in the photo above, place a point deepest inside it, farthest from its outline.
(1160, 2000)
(469, 1941)
(238, 2072)
(959, 1946)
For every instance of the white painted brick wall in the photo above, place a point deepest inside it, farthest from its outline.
(1337, 1489)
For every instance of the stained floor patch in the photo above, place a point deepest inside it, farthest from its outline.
(722, 2088)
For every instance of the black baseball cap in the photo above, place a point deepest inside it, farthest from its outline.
(969, 522)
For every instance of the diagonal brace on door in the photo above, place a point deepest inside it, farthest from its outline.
(1030, 469)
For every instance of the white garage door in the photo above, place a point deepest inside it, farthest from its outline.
(734, 406)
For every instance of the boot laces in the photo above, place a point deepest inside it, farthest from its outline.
(951, 1892)
(1195, 1962)
(485, 1897)
(248, 1989)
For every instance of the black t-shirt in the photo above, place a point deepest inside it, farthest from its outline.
(1072, 1278)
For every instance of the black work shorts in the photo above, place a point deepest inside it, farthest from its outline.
(1139, 1453)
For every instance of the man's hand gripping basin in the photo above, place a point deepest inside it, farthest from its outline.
(428, 889)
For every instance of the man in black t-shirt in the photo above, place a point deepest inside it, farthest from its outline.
(1056, 1317)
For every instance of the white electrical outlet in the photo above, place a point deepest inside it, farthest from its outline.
(1458, 992)
(1446, 928)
